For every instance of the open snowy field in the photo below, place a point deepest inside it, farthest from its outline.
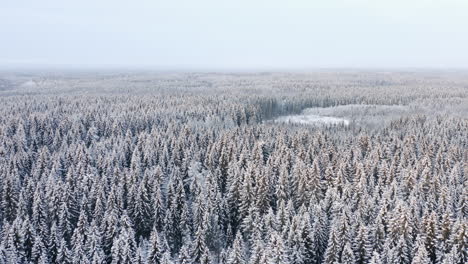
(312, 119)
(371, 115)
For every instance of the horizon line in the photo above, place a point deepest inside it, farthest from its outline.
(221, 69)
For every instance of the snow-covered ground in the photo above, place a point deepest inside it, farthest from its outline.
(312, 120)
(368, 115)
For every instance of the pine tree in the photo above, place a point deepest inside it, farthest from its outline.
(333, 251)
(93, 246)
(63, 254)
(166, 259)
(257, 249)
(184, 255)
(421, 256)
(319, 234)
(54, 241)
(400, 252)
(362, 245)
(124, 246)
(444, 231)
(121, 249)
(453, 257)
(79, 239)
(158, 207)
(10, 251)
(9, 196)
(375, 258)
(199, 247)
(378, 234)
(38, 249)
(27, 234)
(43, 259)
(247, 191)
(459, 240)
(430, 235)
(39, 213)
(142, 208)
(175, 214)
(206, 257)
(110, 227)
(237, 254)
(156, 248)
(64, 220)
(296, 243)
(347, 256)
(276, 251)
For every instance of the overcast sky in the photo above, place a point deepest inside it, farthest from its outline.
(237, 34)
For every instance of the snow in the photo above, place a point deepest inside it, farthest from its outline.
(359, 114)
(309, 119)
(29, 84)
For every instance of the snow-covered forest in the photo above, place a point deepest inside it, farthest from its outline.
(188, 168)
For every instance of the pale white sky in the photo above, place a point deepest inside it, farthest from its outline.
(240, 34)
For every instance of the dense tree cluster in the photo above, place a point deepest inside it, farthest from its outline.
(184, 168)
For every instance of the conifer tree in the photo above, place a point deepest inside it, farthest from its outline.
(347, 256)
(237, 254)
(156, 247)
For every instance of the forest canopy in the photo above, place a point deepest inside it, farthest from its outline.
(112, 167)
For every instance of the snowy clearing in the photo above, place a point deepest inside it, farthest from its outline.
(308, 119)
(360, 114)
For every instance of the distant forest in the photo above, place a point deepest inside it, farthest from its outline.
(187, 168)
